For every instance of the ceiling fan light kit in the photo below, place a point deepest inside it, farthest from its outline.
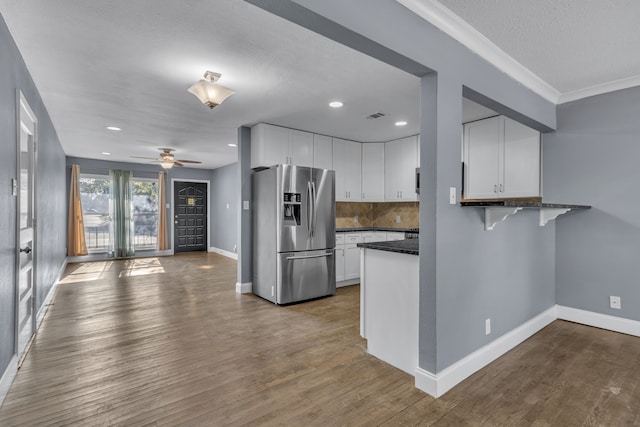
(167, 160)
(209, 92)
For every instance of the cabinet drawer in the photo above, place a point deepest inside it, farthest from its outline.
(353, 238)
(339, 239)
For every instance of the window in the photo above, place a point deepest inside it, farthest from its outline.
(95, 195)
(145, 213)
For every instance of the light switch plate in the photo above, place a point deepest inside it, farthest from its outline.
(245, 205)
(452, 195)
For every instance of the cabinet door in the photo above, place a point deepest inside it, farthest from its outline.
(269, 145)
(395, 236)
(339, 263)
(353, 171)
(322, 152)
(520, 161)
(339, 163)
(351, 261)
(392, 161)
(373, 172)
(481, 158)
(301, 148)
(407, 171)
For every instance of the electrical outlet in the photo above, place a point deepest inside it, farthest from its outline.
(355, 218)
(398, 219)
(452, 195)
(615, 302)
(227, 205)
(487, 326)
(235, 248)
(245, 205)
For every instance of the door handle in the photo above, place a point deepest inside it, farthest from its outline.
(314, 214)
(289, 258)
(26, 249)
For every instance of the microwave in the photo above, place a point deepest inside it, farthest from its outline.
(417, 180)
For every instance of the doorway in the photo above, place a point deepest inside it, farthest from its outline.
(190, 226)
(24, 189)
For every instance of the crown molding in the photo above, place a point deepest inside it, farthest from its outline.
(599, 89)
(450, 23)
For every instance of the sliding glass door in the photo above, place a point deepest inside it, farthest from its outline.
(95, 195)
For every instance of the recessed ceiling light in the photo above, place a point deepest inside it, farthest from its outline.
(401, 123)
(113, 128)
(335, 104)
(105, 153)
(232, 145)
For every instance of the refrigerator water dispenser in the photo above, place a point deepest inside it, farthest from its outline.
(291, 209)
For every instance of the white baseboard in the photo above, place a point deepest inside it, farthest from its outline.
(228, 254)
(244, 288)
(438, 384)
(45, 304)
(102, 256)
(599, 320)
(7, 378)
(347, 282)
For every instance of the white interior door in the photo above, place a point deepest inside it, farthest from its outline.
(26, 225)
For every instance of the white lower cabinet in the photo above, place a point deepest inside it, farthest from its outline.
(348, 252)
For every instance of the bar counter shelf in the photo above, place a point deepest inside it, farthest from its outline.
(496, 211)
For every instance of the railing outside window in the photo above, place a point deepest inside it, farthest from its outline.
(94, 193)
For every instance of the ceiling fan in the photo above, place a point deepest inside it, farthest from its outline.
(167, 160)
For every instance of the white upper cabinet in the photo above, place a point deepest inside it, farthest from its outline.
(502, 159)
(521, 161)
(272, 145)
(322, 152)
(400, 163)
(347, 162)
(373, 172)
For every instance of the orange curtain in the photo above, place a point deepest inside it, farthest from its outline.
(163, 238)
(76, 243)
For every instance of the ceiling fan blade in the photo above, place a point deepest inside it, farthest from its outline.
(188, 161)
(177, 163)
(146, 158)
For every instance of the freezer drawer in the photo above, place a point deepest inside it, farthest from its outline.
(305, 275)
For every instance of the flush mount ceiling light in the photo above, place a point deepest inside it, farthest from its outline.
(401, 123)
(335, 104)
(114, 128)
(232, 145)
(209, 92)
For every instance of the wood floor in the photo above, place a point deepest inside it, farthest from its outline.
(167, 341)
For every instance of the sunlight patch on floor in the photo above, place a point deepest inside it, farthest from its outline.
(87, 272)
(142, 267)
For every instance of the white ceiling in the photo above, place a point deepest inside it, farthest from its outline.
(129, 63)
(570, 44)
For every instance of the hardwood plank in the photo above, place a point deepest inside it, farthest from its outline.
(167, 341)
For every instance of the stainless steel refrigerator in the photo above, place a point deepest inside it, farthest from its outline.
(294, 233)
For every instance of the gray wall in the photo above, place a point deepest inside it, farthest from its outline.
(224, 207)
(50, 192)
(592, 159)
(467, 274)
(140, 170)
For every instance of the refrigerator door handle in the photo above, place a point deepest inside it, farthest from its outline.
(309, 256)
(314, 213)
(309, 209)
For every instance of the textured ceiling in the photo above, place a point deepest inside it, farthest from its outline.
(129, 64)
(570, 44)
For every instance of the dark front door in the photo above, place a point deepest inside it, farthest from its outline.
(190, 221)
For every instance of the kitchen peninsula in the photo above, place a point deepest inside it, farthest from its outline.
(389, 301)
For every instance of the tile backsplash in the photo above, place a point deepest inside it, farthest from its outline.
(377, 214)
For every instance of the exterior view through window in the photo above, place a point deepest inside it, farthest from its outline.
(95, 196)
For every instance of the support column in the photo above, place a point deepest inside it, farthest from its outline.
(243, 284)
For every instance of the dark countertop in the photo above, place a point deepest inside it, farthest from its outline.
(407, 246)
(517, 204)
(364, 229)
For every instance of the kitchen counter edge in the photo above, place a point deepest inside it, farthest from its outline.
(407, 246)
